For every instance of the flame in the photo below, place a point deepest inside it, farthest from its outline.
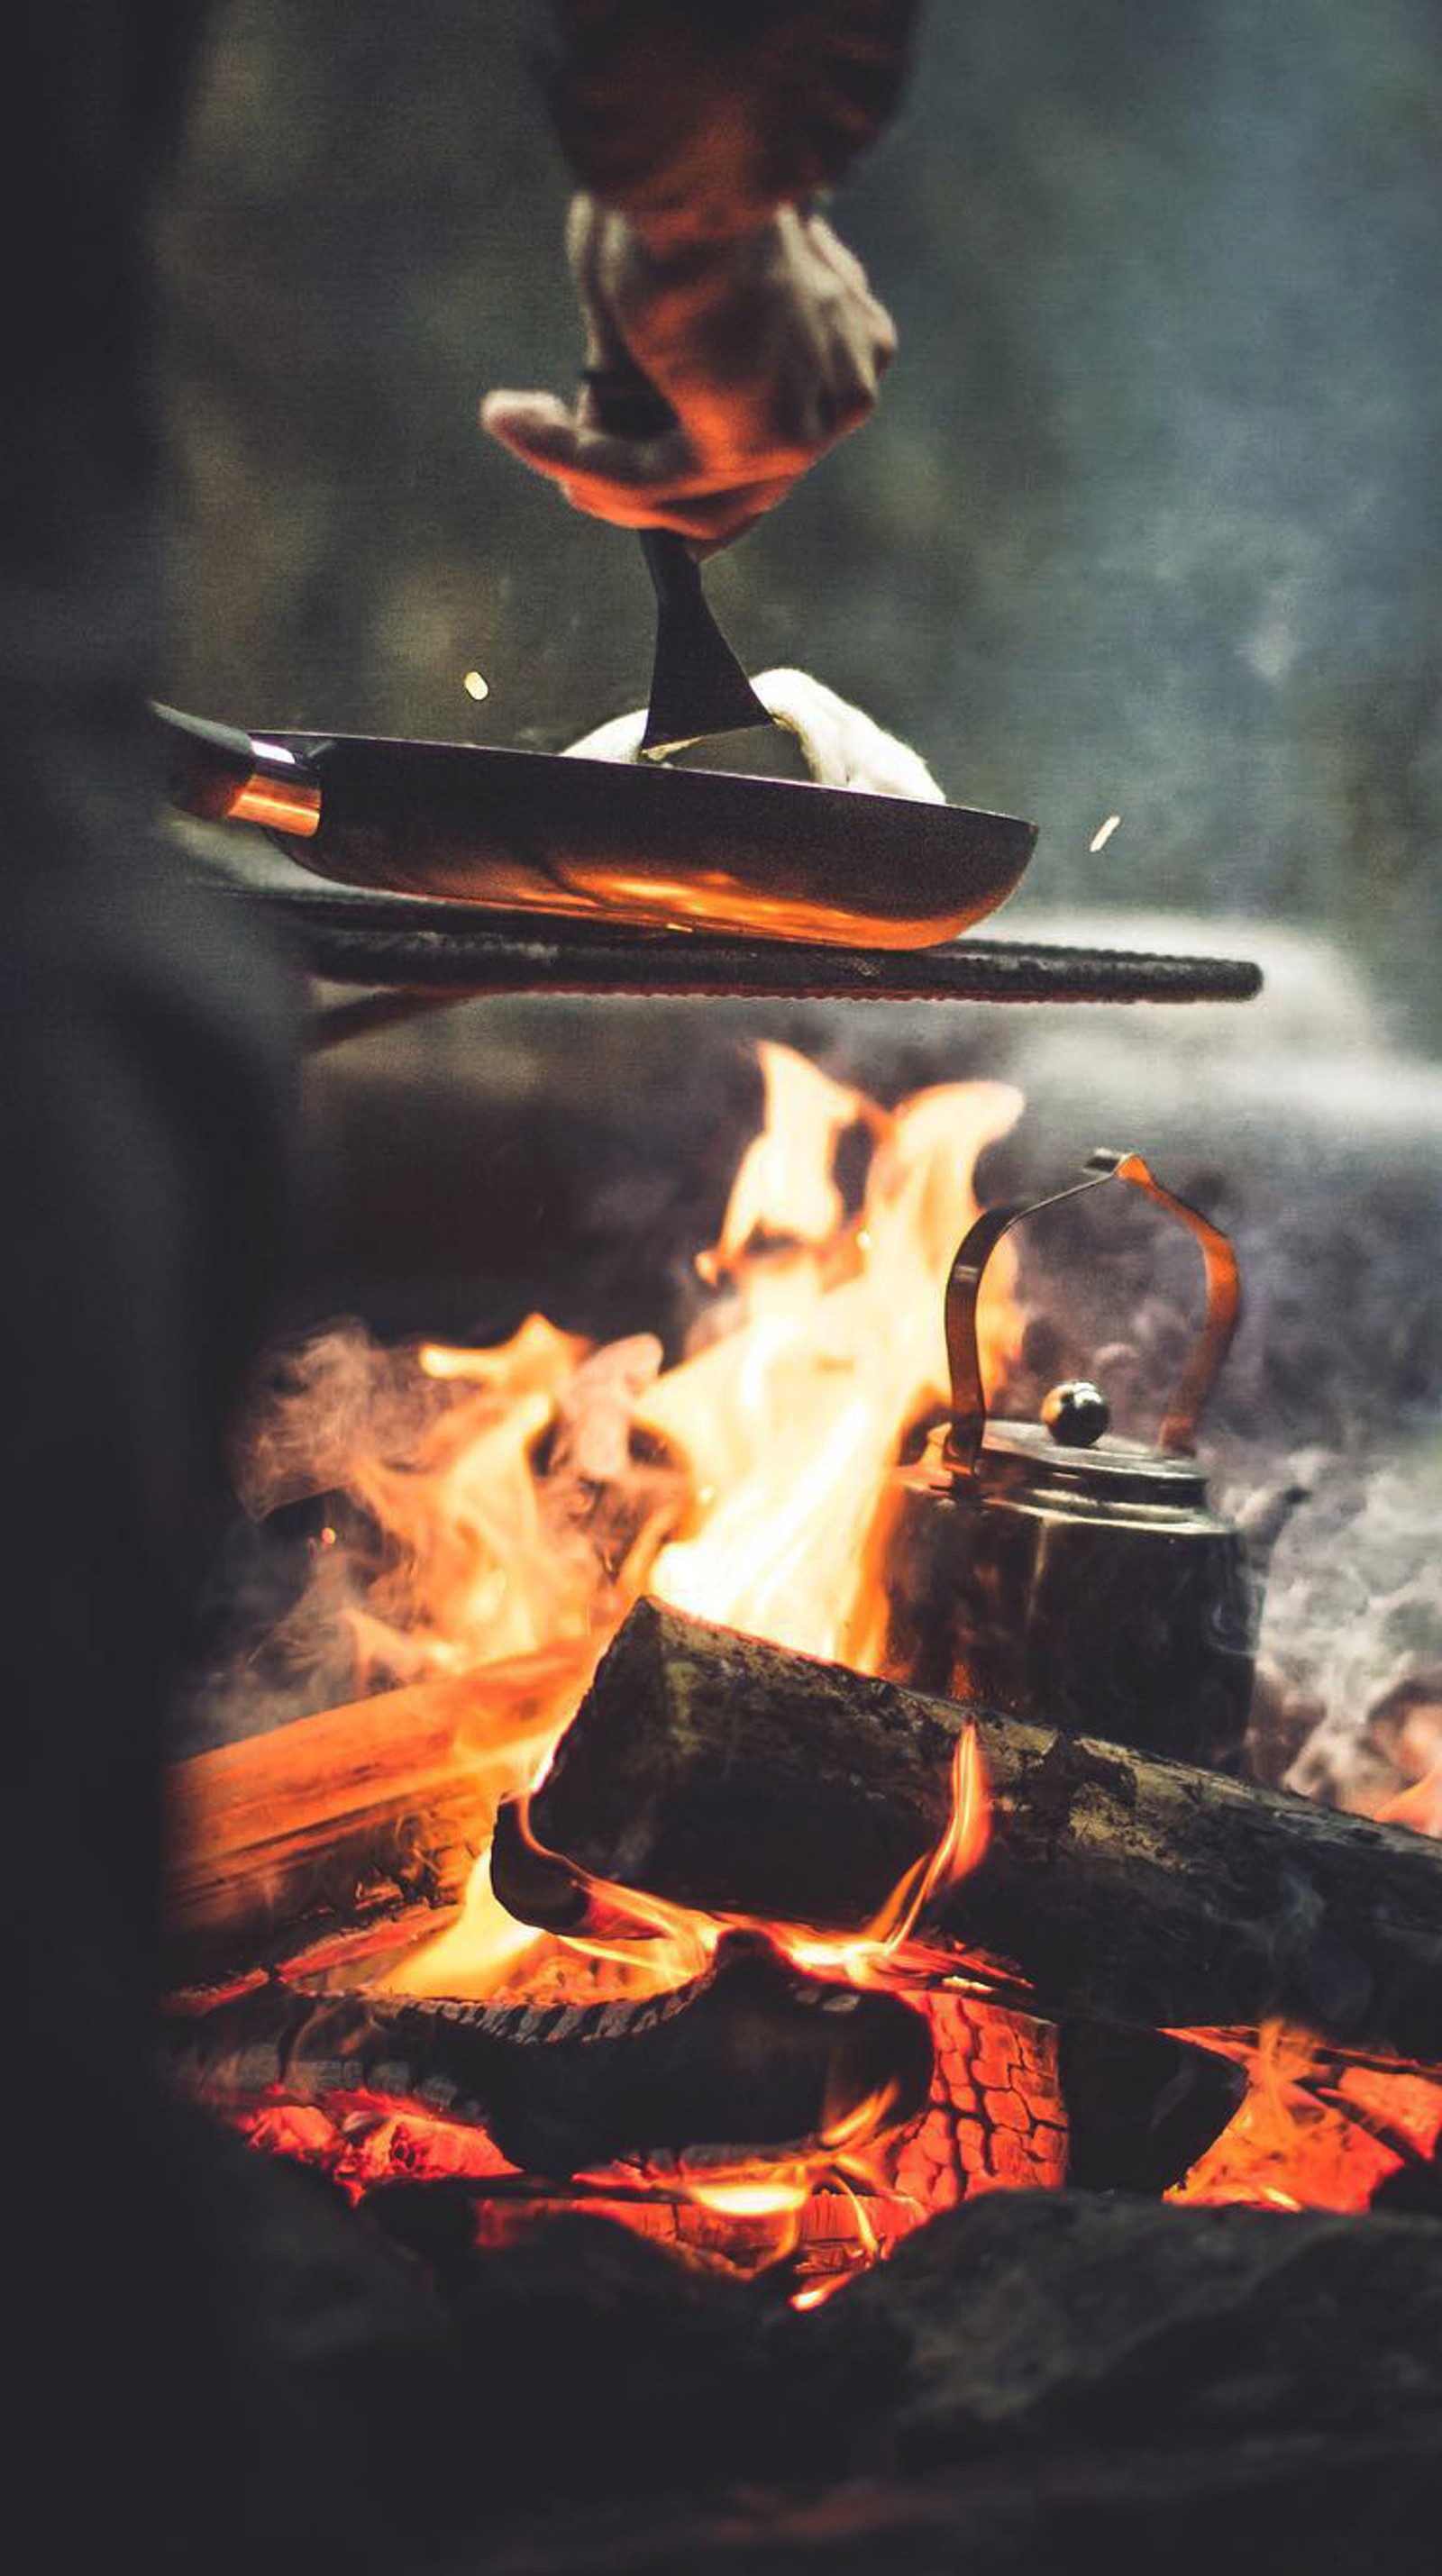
(791, 1423)
(847, 2158)
(883, 1953)
(479, 1576)
(1419, 1806)
(536, 1360)
(1311, 2133)
(785, 1184)
(822, 1343)
(481, 1955)
(776, 2194)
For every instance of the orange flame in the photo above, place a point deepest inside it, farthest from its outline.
(884, 1953)
(789, 1422)
(792, 1422)
(785, 1184)
(823, 1344)
(1311, 2133)
(1419, 1806)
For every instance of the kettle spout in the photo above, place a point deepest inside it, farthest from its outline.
(1264, 1516)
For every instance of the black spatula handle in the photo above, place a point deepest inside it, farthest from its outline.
(698, 687)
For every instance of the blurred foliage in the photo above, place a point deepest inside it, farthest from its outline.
(1148, 522)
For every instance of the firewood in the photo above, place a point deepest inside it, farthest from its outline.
(748, 2059)
(343, 1821)
(739, 1779)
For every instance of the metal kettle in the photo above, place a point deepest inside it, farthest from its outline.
(1058, 1573)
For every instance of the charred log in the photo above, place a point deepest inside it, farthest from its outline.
(1141, 2107)
(734, 1777)
(749, 2058)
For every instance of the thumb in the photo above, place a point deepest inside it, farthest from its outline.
(537, 427)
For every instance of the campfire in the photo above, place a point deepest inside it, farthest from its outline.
(629, 1874)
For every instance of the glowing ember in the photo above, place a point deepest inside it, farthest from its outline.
(1309, 2135)
(771, 2198)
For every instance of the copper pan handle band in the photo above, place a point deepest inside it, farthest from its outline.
(221, 775)
(1223, 1305)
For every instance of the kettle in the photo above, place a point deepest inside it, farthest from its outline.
(1055, 1572)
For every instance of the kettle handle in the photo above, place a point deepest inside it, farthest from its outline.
(968, 1401)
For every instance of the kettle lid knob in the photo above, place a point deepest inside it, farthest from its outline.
(1076, 1413)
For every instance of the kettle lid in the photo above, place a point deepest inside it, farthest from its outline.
(1021, 1462)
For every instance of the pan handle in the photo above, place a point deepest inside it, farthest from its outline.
(222, 775)
(698, 686)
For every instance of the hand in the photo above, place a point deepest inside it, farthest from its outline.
(768, 346)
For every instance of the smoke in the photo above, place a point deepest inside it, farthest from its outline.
(1323, 1439)
(1353, 1633)
(417, 1510)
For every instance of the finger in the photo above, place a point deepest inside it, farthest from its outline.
(825, 243)
(637, 482)
(832, 253)
(644, 493)
(704, 547)
(535, 427)
(838, 409)
(558, 440)
(708, 522)
(723, 516)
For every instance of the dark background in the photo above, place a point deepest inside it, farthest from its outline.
(1148, 522)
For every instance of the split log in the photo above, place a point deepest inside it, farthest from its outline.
(344, 1821)
(749, 2059)
(737, 1778)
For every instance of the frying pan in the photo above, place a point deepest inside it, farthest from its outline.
(640, 843)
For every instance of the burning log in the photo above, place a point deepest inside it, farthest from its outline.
(342, 1822)
(997, 2114)
(738, 1779)
(748, 2059)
